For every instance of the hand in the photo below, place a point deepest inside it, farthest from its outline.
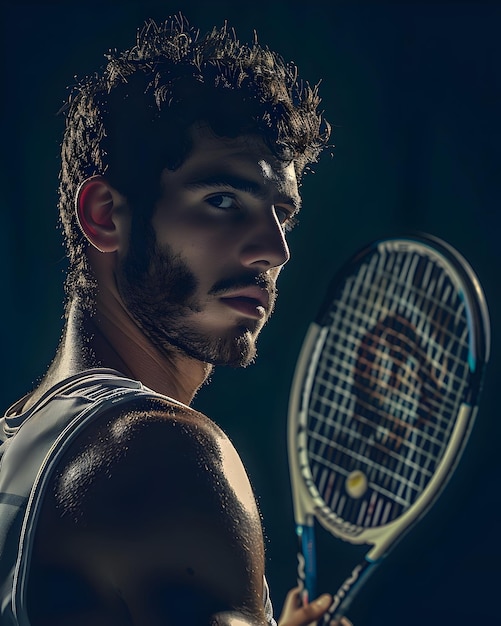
(295, 613)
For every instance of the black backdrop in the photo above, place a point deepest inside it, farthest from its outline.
(413, 92)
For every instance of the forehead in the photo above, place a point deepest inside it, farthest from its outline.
(247, 156)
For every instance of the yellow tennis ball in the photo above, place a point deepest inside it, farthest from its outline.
(356, 484)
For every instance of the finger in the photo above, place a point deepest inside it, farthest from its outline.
(292, 600)
(312, 611)
(295, 614)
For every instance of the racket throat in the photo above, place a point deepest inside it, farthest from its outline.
(343, 598)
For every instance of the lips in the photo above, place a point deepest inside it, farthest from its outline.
(252, 301)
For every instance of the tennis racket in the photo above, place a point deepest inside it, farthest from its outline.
(383, 399)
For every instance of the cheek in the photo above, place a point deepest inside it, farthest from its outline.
(192, 238)
(205, 253)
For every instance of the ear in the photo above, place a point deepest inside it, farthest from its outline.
(96, 204)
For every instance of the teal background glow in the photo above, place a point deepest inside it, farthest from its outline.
(413, 91)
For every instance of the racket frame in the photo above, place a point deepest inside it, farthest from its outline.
(307, 502)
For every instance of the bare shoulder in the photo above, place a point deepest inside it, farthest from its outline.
(157, 451)
(156, 491)
(179, 449)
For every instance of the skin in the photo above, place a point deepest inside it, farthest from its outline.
(109, 550)
(219, 244)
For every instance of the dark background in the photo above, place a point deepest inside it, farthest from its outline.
(413, 93)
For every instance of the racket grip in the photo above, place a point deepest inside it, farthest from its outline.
(307, 567)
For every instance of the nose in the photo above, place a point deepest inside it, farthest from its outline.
(265, 245)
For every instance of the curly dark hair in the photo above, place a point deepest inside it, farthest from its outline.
(132, 119)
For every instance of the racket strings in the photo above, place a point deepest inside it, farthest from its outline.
(387, 386)
(443, 376)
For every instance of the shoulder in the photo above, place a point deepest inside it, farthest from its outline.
(170, 444)
(161, 492)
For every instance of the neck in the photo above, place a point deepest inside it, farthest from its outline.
(111, 338)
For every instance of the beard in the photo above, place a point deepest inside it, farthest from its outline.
(160, 292)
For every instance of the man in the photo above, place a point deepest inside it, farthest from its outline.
(121, 505)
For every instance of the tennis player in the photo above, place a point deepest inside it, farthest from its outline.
(120, 505)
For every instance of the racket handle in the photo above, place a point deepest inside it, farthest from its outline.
(307, 567)
(344, 597)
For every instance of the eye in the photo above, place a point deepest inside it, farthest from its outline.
(222, 201)
(286, 218)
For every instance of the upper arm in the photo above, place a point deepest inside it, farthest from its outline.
(156, 498)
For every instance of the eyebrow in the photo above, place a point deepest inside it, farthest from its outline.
(241, 184)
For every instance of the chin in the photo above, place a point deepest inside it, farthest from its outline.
(234, 349)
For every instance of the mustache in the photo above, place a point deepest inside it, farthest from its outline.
(245, 280)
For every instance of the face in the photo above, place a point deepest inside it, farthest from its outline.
(203, 276)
